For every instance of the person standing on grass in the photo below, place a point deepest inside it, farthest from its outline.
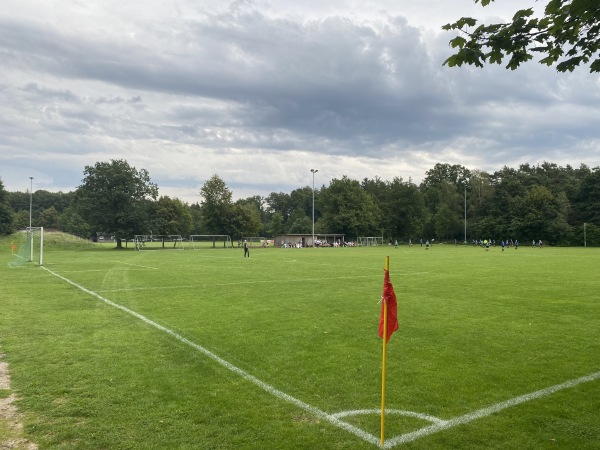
(246, 250)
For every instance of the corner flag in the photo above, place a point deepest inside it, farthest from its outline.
(388, 301)
(388, 323)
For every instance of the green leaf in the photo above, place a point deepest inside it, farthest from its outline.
(553, 7)
(458, 41)
(522, 13)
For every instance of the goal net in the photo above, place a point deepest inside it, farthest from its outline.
(200, 241)
(370, 241)
(158, 242)
(31, 247)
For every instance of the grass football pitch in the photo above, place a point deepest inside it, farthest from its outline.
(206, 349)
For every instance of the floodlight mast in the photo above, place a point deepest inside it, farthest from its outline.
(30, 198)
(313, 204)
(465, 214)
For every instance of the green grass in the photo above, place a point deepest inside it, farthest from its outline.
(476, 329)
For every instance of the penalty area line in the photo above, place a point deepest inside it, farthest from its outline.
(332, 419)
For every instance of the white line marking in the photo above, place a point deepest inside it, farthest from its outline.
(84, 271)
(235, 283)
(439, 424)
(131, 264)
(265, 386)
(400, 412)
(485, 412)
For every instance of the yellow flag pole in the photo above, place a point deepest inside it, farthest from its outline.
(385, 325)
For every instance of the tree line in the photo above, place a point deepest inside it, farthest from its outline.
(559, 205)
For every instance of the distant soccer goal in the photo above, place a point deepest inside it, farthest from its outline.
(158, 242)
(31, 247)
(202, 241)
(370, 241)
(257, 241)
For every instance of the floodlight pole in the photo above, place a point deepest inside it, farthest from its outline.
(30, 198)
(465, 213)
(313, 205)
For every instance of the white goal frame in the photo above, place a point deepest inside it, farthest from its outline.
(195, 241)
(368, 241)
(158, 241)
(30, 247)
(31, 235)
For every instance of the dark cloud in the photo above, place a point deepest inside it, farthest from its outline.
(213, 88)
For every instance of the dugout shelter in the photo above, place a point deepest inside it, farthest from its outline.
(301, 240)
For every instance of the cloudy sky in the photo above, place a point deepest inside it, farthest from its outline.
(259, 92)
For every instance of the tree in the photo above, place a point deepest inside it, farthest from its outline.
(446, 222)
(301, 199)
(454, 174)
(276, 224)
(245, 220)
(448, 215)
(257, 203)
(279, 202)
(299, 222)
(587, 201)
(171, 216)
(71, 222)
(543, 215)
(347, 208)
(114, 198)
(216, 206)
(197, 226)
(381, 192)
(407, 209)
(401, 204)
(21, 219)
(48, 218)
(6, 215)
(567, 35)
(278, 209)
(443, 190)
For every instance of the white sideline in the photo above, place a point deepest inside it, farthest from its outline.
(437, 426)
(265, 386)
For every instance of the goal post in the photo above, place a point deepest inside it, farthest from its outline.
(370, 241)
(31, 247)
(158, 242)
(202, 241)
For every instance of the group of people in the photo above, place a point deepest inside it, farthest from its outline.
(487, 243)
(484, 243)
(318, 243)
(427, 244)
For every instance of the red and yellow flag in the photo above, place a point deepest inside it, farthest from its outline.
(388, 301)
